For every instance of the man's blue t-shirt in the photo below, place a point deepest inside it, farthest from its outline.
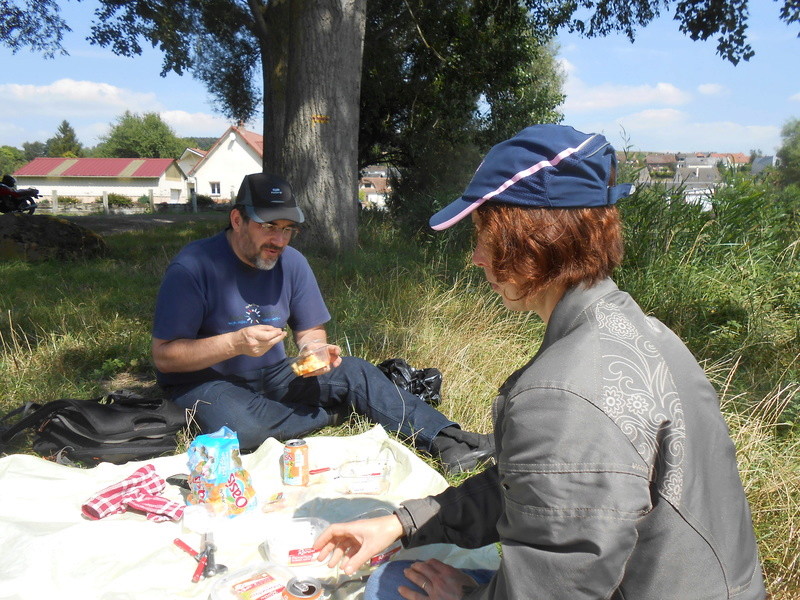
(207, 291)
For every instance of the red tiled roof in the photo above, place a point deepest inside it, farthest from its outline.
(254, 139)
(95, 167)
(737, 157)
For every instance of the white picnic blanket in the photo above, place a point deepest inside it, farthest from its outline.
(49, 550)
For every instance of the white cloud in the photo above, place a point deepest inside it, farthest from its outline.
(670, 130)
(71, 98)
(195, 124)
(796, 97)
(34, 112)
(582, 97)
(713, 89)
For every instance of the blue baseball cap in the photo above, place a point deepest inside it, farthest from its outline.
(543, 166)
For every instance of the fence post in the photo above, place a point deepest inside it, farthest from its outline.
(105, 202)
(152, 204)
(194, 201)
(54, 201)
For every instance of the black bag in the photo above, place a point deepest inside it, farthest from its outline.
(425, 383)
(116, 428)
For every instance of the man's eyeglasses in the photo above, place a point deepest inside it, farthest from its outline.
(287, 232)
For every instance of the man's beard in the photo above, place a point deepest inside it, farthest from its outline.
(265, 264)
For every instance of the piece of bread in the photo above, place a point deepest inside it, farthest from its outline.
(308, 364)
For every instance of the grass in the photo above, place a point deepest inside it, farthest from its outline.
(81, 329)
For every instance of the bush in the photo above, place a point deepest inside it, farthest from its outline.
(68, 201)
(143, 199)
(119, 200)
(204, 201)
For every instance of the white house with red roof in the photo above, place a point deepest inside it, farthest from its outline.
(87, 179)
(217, 173)
(238, 152)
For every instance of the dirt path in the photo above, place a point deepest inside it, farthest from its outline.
(111, 224)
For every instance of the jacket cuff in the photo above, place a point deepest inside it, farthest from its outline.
(413, 516)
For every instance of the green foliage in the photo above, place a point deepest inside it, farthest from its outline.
(140, 136)
(119, 200)
(11, 159)
(203, 143)
(451, 72)
(727, 20)
(204, 201)
(215, 40)
(68, 201)
(726, 281)
(38, 26)
(64, 143)
(34, 150)
(789, 153)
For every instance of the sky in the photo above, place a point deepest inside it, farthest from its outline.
(662, 93)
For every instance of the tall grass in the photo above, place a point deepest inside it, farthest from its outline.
(731, 291)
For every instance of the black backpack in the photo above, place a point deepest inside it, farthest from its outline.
(116, 428)
(425, 383)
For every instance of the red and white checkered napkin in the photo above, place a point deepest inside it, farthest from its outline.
(138, 491)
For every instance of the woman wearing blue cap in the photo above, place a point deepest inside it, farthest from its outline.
(616, 477)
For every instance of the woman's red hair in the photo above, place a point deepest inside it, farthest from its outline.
(537, 247)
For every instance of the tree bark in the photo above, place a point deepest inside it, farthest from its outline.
(312, 70)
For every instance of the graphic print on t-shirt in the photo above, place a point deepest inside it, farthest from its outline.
(254, 315)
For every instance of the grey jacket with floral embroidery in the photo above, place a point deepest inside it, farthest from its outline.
(616, 476)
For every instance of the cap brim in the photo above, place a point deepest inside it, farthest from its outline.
(266, 215)
(454, 212)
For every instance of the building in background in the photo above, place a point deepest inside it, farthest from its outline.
(374, 186)
(160, 180)
(219, 173)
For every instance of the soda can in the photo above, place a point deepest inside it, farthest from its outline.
(303, 588)
(295, 463)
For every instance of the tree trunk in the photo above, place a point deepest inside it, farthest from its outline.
(311, 111)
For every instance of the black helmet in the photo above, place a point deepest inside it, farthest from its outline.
(9, 181)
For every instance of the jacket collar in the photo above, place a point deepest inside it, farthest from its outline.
(572, 304)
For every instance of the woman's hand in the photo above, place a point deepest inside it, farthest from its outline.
(438, 580)
(350, 545)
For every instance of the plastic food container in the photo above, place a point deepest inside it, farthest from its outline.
(312, 357)
(264, 581)
(369, 477)
(290, 542)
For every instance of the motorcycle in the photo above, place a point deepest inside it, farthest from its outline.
(13, 200)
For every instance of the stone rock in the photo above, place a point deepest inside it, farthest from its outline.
(42, 237)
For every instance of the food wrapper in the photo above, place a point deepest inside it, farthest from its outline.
(216, 475)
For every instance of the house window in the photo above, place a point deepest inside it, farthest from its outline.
(215, 188)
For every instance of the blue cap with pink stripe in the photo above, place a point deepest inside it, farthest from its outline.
(543, 166)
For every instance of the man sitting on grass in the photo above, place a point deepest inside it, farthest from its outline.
(218, 340)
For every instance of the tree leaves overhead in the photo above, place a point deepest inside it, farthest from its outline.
(176, 26)
(726, 20)
(213, 39)
(35, 24)
(701, 20)
(449, 71)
